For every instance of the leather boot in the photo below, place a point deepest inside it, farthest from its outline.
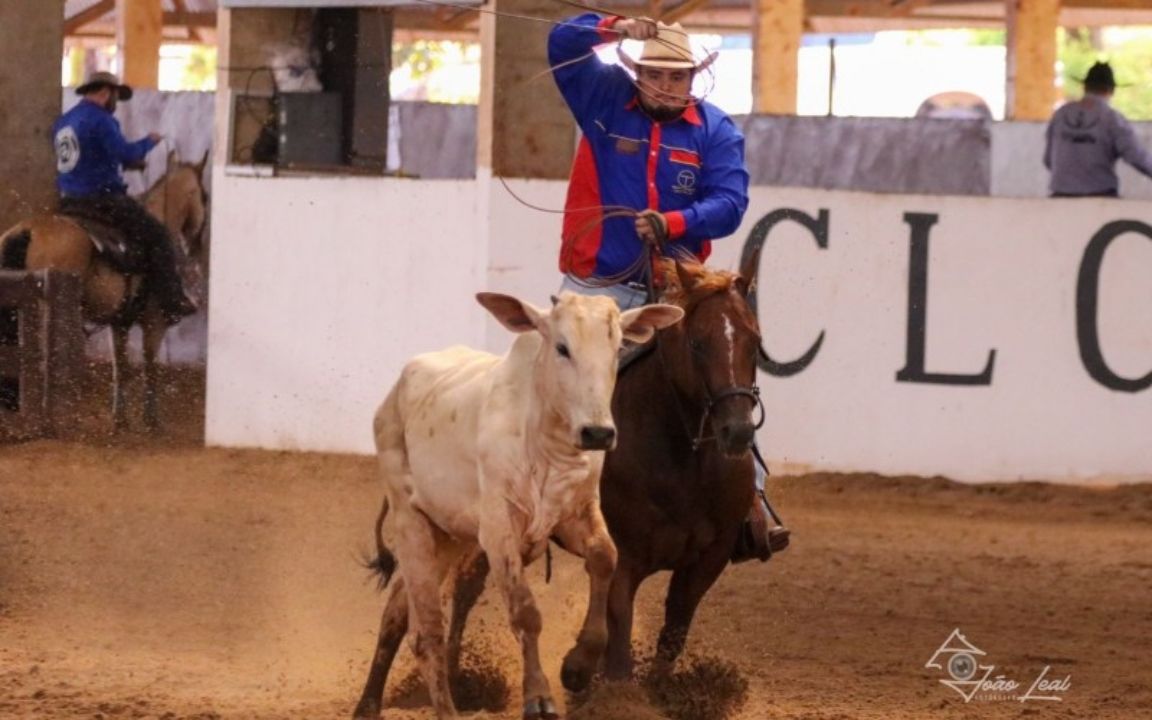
(759, 538)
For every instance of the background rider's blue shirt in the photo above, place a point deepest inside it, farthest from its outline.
(90, 150)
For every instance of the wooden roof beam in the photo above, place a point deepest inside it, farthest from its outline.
(87, 15)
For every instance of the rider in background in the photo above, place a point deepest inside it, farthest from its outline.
(90, 152)
(646, 144)
(1086, 137)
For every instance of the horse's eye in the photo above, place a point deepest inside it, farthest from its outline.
(563, 350)
(696, 345)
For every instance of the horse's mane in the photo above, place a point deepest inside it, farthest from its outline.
(705, 281)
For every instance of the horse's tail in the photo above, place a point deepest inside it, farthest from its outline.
(14, 247)
(384, 564)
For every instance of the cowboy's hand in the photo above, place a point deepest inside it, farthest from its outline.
(155, 137)
(636, 28)
(652, 227)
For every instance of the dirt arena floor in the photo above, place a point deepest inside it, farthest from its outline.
(158, 579)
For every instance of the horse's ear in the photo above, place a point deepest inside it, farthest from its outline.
(173, 158)
(203, 163)
(687, 279)
(749, 271)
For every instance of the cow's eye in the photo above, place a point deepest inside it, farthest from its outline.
(563, 350)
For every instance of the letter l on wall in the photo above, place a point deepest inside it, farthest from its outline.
(917, 338)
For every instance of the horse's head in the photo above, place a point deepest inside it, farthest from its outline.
(711, 356)
(575, 370)
(182, 203)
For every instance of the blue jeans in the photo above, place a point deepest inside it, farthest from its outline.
(628, 297)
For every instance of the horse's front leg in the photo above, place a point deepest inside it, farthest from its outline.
(119, 337)
(154, 328)
(587, 535)
(685, 591)
(621, 597)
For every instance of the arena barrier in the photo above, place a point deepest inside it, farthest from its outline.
(41, 347)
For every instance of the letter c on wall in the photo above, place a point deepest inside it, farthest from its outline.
(818, 226)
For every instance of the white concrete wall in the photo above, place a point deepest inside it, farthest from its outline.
(304, 343)
(1002, 275)
(321, 288)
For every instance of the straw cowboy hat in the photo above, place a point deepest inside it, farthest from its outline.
(105, 79)
(669, 49)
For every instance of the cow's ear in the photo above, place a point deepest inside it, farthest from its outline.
(516, 315)
(640, 323)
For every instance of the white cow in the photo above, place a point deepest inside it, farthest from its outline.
(504, 452)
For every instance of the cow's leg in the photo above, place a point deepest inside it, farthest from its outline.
(470, 576)
(587, 535)
(500, 538)
(393, 626)
(621, 596)
(418, 562)
(685, 591)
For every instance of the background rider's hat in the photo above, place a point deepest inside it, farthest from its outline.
(1100, 76)
(669, 49)
(105, 79)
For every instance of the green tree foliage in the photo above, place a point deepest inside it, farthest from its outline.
(423, 57)
(200, 71)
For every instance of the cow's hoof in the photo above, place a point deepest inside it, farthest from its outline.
(540, 709)
(576, 672)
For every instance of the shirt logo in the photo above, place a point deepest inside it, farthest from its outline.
(67, 150)
(685, 183)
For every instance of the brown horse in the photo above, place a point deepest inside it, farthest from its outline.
(681, 480)
(679, 483)
(112, 297)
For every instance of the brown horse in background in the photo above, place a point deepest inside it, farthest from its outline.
(111, 296)
(677, 487)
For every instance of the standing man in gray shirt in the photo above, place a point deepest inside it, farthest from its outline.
(1085, 139)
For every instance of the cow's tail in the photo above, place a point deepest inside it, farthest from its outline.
(384, 564)
(14, 247)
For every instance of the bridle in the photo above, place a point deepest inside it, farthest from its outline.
(711, 402)
(752, 392)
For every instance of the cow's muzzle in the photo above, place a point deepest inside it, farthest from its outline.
(597, 437)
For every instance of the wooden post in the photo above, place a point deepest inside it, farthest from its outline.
(777, 29)
(1031, 83)
(31, 41)
(524, 128)
(139, 24)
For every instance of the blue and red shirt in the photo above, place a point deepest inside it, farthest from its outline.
(90, 149)
(691, 169)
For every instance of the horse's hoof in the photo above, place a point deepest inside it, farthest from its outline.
(367, 710)
(575, 674)
(540, 708)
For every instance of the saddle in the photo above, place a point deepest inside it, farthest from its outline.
(111, 245)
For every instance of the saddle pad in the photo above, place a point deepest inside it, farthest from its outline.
(111, 247)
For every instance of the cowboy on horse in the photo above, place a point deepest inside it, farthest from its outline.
(90, 151)
(648, 143)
